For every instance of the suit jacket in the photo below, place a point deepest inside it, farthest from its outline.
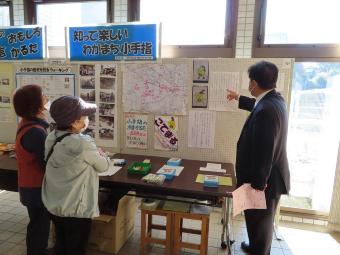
(261, 149)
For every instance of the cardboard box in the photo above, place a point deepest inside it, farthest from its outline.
(109, 233)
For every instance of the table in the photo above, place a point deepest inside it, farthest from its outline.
(183, 185)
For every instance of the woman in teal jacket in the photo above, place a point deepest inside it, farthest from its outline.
(71, 183)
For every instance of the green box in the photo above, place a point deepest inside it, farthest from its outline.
(144, 168)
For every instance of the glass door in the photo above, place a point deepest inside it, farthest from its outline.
(313, 136)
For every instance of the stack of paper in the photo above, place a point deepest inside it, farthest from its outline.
(245, 197)
(211, 167)
(166, 169)
(111, 171)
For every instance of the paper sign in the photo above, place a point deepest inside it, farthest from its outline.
(245, 197)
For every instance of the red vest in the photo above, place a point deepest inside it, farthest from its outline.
(30, 173)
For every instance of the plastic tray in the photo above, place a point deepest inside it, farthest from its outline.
(143, 168)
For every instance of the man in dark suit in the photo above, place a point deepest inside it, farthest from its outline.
(261, 158)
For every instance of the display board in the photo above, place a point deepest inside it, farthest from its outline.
(178, 117)
(209, 127)
(7, 115)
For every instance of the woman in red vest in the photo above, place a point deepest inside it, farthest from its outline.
(29, 104)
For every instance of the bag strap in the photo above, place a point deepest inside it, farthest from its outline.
(27, 125)
(56, 141)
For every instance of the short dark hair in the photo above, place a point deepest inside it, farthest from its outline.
(264, 73)
(28, 101)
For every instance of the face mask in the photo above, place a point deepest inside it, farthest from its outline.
(86, 123)
(47, 106)
(251, 89)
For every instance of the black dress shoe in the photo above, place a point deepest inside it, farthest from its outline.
(245, 247)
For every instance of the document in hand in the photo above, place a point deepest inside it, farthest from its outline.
(111, 171)
(245, 197)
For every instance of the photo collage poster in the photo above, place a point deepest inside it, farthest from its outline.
(6, 113)
(98, 85)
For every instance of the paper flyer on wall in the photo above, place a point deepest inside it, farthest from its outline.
(219, 83)
(136, 133)
(6, 113)
(201, 129)
(165, 136)
(97, 84)
(54, 85)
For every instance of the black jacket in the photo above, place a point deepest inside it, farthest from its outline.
(261, 149)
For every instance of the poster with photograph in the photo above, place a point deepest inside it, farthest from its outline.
(165, 135)
(107, 109)
(107, 83)
(6, 114)
(87, 70)
(108, 70)
(4, 81)
(87, 82)
(201, 71)
(107, 97)
(97, 85)
(87, 92)
(199, 96)
(88, 95)
(136, 133)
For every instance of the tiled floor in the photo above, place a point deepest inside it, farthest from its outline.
(298, 239)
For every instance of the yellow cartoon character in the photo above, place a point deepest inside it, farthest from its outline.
(200, 96)
(201, 71)
(172, 123)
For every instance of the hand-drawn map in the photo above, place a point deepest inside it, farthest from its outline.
(155, 88)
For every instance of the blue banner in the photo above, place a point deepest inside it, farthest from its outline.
(113, 42)
(22, 43)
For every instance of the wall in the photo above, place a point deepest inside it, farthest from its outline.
(228, 123)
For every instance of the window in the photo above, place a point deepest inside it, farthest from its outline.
(302, 22)
(56, 16)
(4, 14)
(290, 28)
(191, 28)
(190, 22)
(314, 135)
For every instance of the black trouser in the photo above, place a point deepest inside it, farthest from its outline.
(260, 224)
(38, 230)
(72, 235)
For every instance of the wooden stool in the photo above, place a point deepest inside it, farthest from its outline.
(147, 226)
(179, 230)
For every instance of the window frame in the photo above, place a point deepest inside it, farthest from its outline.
(30, 8)
(227, 50)
(300, 51)
(10, 5)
